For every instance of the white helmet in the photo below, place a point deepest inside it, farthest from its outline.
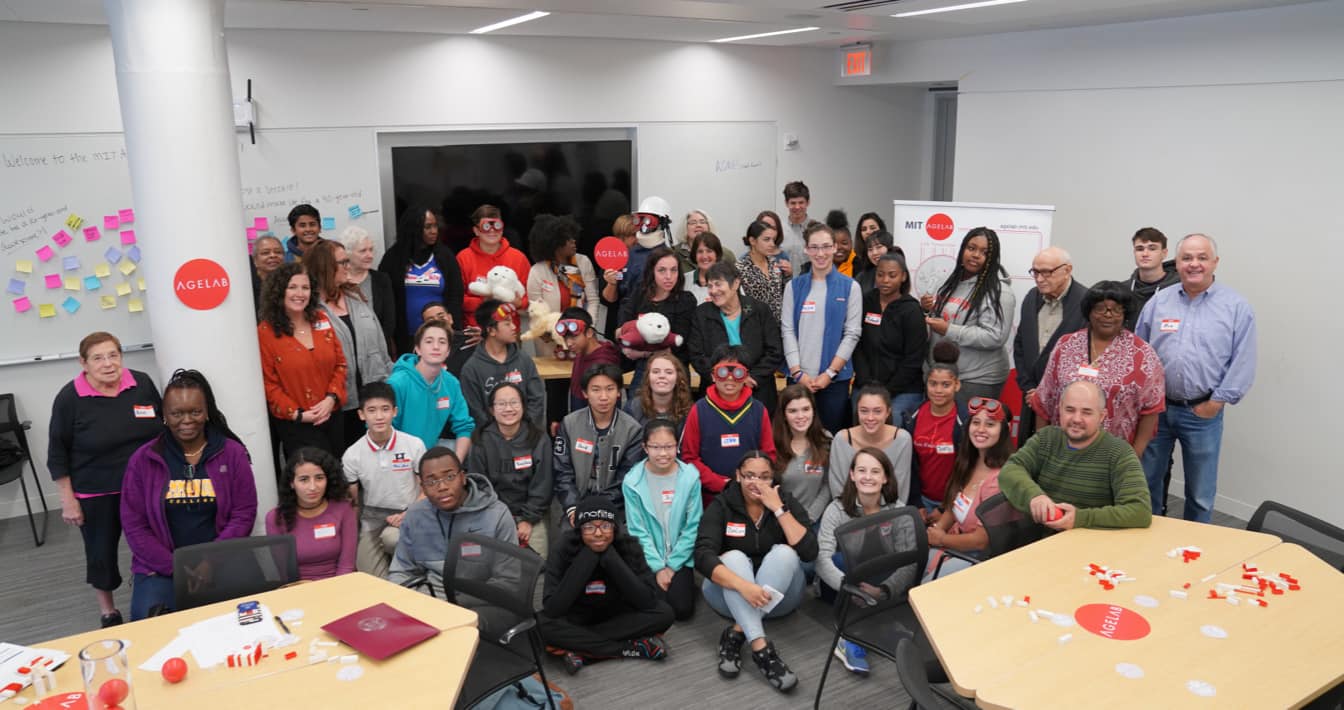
(655, 205)
(653, 222)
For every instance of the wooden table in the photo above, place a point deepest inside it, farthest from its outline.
(990, 653)
(427, 675)
(553, 369)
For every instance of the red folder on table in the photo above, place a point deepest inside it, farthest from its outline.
(380, 631)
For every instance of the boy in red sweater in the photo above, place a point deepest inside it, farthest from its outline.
(575, 327)
(487, 250)
(724, 424)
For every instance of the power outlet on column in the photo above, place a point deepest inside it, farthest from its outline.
(790, 141)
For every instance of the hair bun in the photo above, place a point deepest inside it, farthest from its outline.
(946, 351)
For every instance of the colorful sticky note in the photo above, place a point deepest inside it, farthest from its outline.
(123, 289)
(128, 237)
(261, 224)
(107, 302)
(72, 283)
(70, 263)
(92, 283)
(355, 211)
(135, 305)
(251, 234)
(17, 287)
(126, 268)
(328, 223)
(45, 253)
(140, 283)
(126, 216)
(22, 305)
(70, 304)
(133, 254)
(102, 271)
(91, 234)
(112, 254)
(62, 238)
(46, 310)
(53, 280)
(23, 266)
(110, 222)
(73, 222)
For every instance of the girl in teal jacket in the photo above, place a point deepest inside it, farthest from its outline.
(662, 511)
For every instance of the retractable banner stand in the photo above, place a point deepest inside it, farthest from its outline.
(930, 234)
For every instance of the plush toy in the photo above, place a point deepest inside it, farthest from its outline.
(648, 332)
(541, 322)
(500, 284)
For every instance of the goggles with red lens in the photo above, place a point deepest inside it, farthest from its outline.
(724, 372)
(490, 225)
(988, 405)
(505, 312)
(570, 326)
(646, 222)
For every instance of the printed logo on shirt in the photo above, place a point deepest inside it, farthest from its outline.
(736, 530)
(668, 496)
(1085, 371)
(514, 376)
(521, 463)
(872, 318)
(813, 469)
(583, 446)
(596, 586)
(444, 403)
(424, 276)
(324, 531)
(470, 549)
(401, 463)
(192, 490)
(809, 306)
(559, 446)
(945, 448)
(143, 411)
(730, 441)
(1170, 325)
(321, 325)
(884, 530)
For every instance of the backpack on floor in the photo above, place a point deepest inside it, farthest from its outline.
(527, 694)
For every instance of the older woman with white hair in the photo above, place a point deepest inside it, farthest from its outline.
(375, 285)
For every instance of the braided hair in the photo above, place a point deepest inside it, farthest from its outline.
(194, 380)
(987, 282)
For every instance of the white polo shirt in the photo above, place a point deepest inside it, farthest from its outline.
(386, 473)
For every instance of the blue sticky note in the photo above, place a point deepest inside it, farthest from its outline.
(70, 263)
(328, 223)
(71, 304)
(91, 283)
(355, 211)
(17, 286)
(113, 255)
(133, 254)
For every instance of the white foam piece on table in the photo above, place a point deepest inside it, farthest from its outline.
(1035, 618)
(1213, 632)
(1065, 638)
(1178, 593)
(1129, 670)
(979, 608)
(1062, 620)
(292, 614)
(993, 603)
(1146, 601)
(1201, 688)
(349, 673)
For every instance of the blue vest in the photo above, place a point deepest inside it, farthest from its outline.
(715, 424)
(837, 304)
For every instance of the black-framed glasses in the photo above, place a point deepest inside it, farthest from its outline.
(1115, 309)
(595, 526)
(439, 482)
(1045, 273)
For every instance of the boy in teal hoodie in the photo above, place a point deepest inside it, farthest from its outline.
(428, 396)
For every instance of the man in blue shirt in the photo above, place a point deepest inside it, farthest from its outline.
(1204, 333)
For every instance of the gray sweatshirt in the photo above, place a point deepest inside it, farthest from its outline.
(983, 340)
(899, 451)
(482, 373)
(425, 532)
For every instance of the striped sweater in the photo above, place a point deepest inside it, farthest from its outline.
(1104, 481)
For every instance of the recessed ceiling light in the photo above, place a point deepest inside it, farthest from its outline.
(510, 22)
(952, 8)
(766, 34)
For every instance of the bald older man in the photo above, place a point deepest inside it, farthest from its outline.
(1076, 475)
(1204, 333)
(1050, 310)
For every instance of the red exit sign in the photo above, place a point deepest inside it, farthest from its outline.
(856, 60)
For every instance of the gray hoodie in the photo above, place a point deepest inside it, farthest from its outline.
(482, 373)
(983, 339)
(425, 532)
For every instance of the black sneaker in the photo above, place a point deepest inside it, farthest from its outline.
(113, 619)
(774, 669)
(653, 648)
(573, 662)
(730, 652)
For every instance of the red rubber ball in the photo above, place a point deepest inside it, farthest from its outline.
(113, 691)
(174, 670)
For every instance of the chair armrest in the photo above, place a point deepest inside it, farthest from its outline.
(521, 627)
(855, 591)
(938, 569)
(418, 582)
(26, 424)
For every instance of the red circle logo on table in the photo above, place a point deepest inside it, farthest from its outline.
(939, 226)
(201, 284)
(62, 701)
(1112, 622)
(611, 253)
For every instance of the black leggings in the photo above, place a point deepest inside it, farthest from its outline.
(328, 436)
(682, 593)
(605, 638)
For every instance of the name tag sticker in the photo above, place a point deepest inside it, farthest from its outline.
(143, 411)
(809, 306)
(1085, 371)
(945, 448)
(444, 403)
(547, 286)
(471, 549)
(401, 465)
(324, 531)
(729, 441)
(596, 586)
(583, 445)
(1170, 325)
(872, 318)
(736, 530)
(514, 376)
(813, 469)
(668, 495)
(961, 505)
(522, 462)
(322, 325)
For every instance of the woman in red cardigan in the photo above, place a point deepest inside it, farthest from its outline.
(302, 364)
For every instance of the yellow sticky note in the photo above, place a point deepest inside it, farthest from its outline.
(102, 270)
(140, 283)
(47, 310)
(123, 289)
(126, 268)
(108, 302)
(23, 266)
(135, 305)
(74, 221)
(72, 283)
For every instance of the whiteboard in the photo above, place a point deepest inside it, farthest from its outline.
(44, 179)
(726, 170)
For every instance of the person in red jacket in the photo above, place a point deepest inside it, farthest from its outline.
(487, 250)
(726, 422)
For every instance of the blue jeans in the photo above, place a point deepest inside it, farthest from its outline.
(148, 590)
(903, 405)
(780, 569)
(930, 505)
(832, 405)
(1200, 440)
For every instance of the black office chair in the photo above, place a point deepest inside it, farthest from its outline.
(889, 550)
(498, 581)
(1322, 539)
(1007, 527)
(227, 569)
(911, 666)
(14, 452)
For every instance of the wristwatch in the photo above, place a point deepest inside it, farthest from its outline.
(779, 513)
(831, 373)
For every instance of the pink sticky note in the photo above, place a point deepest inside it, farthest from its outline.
(261, 223)
(110, 222)
(53, 280)
(45, 253)
(91, 234)
(128, 237)
(62, 238)
(22, 305)
(251, 234)
(126, 216)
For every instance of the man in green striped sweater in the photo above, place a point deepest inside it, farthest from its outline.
(1076, 474)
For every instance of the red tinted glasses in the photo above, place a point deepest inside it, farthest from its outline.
(490, 225)
(992, 407)
(724, 372)
(646, 222)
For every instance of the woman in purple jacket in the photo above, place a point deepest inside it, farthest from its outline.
(190, 484)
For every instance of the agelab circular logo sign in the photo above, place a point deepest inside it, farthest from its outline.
(1112, 622)
(611, 253)
(938, 226)
(201, 284)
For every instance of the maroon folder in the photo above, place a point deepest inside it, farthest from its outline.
(380, 631)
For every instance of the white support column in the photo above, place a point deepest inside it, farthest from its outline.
(176, 109)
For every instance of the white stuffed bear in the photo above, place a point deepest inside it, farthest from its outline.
(648, 332)
(500, 284)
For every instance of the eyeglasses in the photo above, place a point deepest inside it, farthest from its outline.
(570, 326)
(646, 222)
(660, 448)
(433, 483)
(1045, 273)
(491, 225)
(819, 248)
(736, 372)
(508, 404)
(1101, 309)
(990, 406)
(749, 476)
(598, 526)
(698, 222)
